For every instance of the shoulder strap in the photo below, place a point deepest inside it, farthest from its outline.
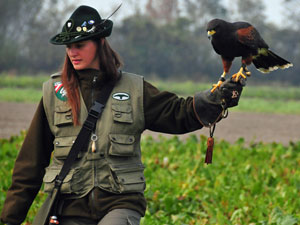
(83, 137)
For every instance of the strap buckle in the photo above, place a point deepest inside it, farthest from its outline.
(96, 110)
(58, 182)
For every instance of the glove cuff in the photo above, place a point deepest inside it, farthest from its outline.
(207, 112)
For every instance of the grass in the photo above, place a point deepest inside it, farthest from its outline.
(265, 99)
(24, 81)
(250, 91)
(257, 184)
(20, 95)
(262, 105)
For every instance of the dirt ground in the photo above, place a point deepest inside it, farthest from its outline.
(256, 127)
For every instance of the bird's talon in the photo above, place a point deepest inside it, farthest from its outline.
(215, 86)
(239, 74)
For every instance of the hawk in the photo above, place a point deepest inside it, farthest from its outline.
(241, 39)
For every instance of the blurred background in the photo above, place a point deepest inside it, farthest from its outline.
(163, 39)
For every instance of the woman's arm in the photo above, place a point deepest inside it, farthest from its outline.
(29, 169)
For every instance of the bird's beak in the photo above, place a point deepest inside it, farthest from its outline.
(210, 33)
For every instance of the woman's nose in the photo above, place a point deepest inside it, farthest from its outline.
(72, 51)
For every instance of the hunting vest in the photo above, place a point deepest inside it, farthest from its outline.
(115, 165)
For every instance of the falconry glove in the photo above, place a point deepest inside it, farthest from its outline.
(209, 105)
(231, 92)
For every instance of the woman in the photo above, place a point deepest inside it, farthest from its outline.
(106, 182)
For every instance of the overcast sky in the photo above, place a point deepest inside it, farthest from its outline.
(274, 8)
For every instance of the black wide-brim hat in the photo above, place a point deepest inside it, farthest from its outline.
(85, 23)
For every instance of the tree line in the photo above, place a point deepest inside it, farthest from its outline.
(164, 39)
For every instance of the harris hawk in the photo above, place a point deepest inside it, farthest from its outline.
(237, 39)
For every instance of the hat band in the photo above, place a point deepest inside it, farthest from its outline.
(67, 36)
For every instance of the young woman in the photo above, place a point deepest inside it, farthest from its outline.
(106, 182)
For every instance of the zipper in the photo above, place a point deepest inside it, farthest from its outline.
(93, 88)
(94, 139)
(94, 136)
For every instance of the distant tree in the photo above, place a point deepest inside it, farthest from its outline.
(47, 23)
(169, 51)
(252, 11)
(162, 11)
(14, 17)
(26, 27)
(292, 13)
(201, 11)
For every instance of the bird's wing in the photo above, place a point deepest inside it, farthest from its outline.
(250, 37)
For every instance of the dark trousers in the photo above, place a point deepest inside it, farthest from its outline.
(114, 217)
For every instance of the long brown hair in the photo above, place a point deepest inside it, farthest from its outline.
(109, 61)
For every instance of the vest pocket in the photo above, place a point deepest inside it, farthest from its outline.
(122, 113)
(121, 145)
(76, 182)
(128, 178)
(49, 178)
(62, 115)
(62, 147)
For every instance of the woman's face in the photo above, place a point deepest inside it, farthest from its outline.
(83, 55)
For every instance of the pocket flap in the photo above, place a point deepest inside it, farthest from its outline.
(121, 108)
(122, 139)
(62, 147)
(127, 167)
(64, 141)
(132, 178)
(62, 108)
(52, 173)
(62, 115)
(50, 176)
(129, 173)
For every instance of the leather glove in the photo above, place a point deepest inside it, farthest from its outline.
(230, 92)
(209, 106)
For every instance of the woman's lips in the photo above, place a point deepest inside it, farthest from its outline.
(76, 61)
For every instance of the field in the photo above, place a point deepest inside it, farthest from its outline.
(256, 184)
(268, 99)
(251, 181)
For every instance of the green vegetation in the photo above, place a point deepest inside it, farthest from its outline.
(256, 184)
(165, 39)
(266, 99)
(8, 152)
(250, 91)
(20, 95)
(259, 184)
(24, 81)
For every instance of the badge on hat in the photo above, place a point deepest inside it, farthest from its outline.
(60, 91)
(69, 25)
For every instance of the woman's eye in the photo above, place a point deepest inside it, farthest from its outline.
(79, 45)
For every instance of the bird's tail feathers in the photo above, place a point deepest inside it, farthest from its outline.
(267, 61)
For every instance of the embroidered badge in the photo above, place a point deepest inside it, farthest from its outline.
(60, 91)
(121, 96)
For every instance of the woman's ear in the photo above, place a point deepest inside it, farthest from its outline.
(102, 41)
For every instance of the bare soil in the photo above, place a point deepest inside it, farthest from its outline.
(253, 127)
